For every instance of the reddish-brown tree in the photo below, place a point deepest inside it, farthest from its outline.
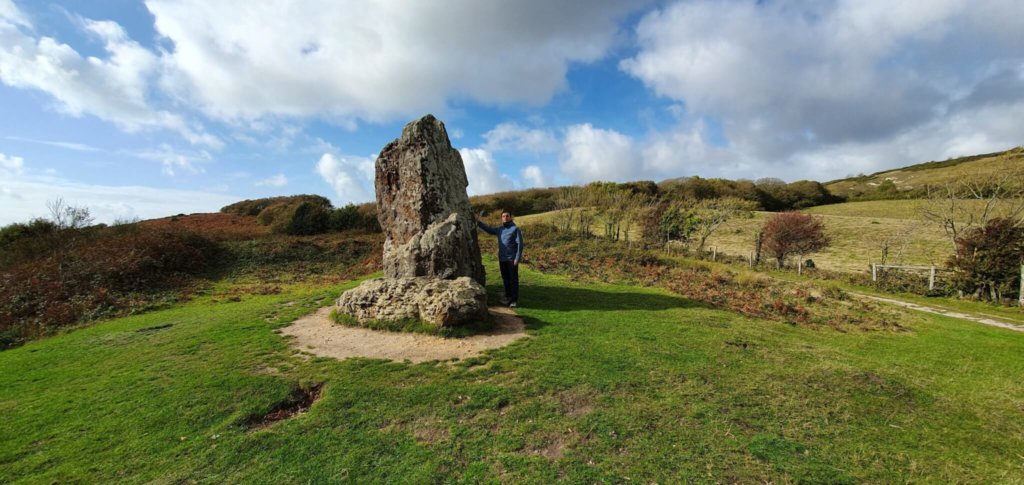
(792, 233)
(988, 259)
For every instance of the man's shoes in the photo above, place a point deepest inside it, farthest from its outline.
(513, 304)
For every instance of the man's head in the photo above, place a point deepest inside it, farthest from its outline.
(506, 216)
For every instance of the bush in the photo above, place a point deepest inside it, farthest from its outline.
(297, 214)
(307, 218)
(363, 217)
(793, 233)
(21, 241)
(987, 260)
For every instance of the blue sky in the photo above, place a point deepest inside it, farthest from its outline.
(152, 108)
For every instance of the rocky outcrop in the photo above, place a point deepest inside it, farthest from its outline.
(442, 302)
(423, 208)
(432, 267)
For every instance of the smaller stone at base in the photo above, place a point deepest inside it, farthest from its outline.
(445, 303)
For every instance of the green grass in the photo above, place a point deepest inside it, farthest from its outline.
(617, 383)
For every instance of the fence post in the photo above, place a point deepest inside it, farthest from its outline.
(714, 253)
(931, 279)
(1021, 285)
(751, 259)
(874, 273)
(800, 265)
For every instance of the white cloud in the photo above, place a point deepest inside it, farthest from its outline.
(105, 203)
(113, 89)
(174, 160)
(9, 13)
(11, 165)
(482, 172)
(511, 136)
(278, 180)
(78, 147)
(375, 60)
(350, 177)
(533, 176)
(788, 81)
(596, 154)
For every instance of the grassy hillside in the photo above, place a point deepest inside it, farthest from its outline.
(930, 173)
(855, 240)
(856, 229)
(617, 384)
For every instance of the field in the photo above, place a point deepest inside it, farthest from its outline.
(856, 229)
(856, 240)
(617, 383)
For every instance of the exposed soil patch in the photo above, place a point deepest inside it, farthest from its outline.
(429, 431)
(576, 403)
(297, 403)
(552, 449)
(155, 328)
(317, 334)
(740, 344)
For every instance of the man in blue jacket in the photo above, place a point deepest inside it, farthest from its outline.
(510, 253)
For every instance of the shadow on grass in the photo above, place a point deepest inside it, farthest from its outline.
(559, 298)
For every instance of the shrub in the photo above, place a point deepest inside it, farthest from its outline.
(363, 217)
(793, 233)
(987, 260)
(297, 214)
(21, 241)
(307, 218)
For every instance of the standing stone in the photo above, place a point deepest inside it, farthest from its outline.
(423, 208)
(432, 267)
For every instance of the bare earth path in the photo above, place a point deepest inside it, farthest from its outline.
(317, 334)
(944, 312)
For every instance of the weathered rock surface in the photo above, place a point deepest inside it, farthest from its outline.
(423, 208)
(432, 264)
(441, 302)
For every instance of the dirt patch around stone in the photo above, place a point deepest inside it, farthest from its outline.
(317, 334)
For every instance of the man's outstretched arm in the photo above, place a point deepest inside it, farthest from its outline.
(485, 227)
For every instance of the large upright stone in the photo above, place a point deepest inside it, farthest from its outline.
(423, 208)
(432, 267)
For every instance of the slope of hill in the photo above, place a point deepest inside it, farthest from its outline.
(910, 181)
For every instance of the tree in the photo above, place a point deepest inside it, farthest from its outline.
(678, 222)
(793, 233)
(894, 244)
(66, 216)
(988, 259)
(568, 202)
(709, 214)
(972, 201)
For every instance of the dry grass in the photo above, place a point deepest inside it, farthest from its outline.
(917, 176)
(216, 226)
(857, 229)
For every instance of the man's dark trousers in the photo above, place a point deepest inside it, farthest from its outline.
(510, 277)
